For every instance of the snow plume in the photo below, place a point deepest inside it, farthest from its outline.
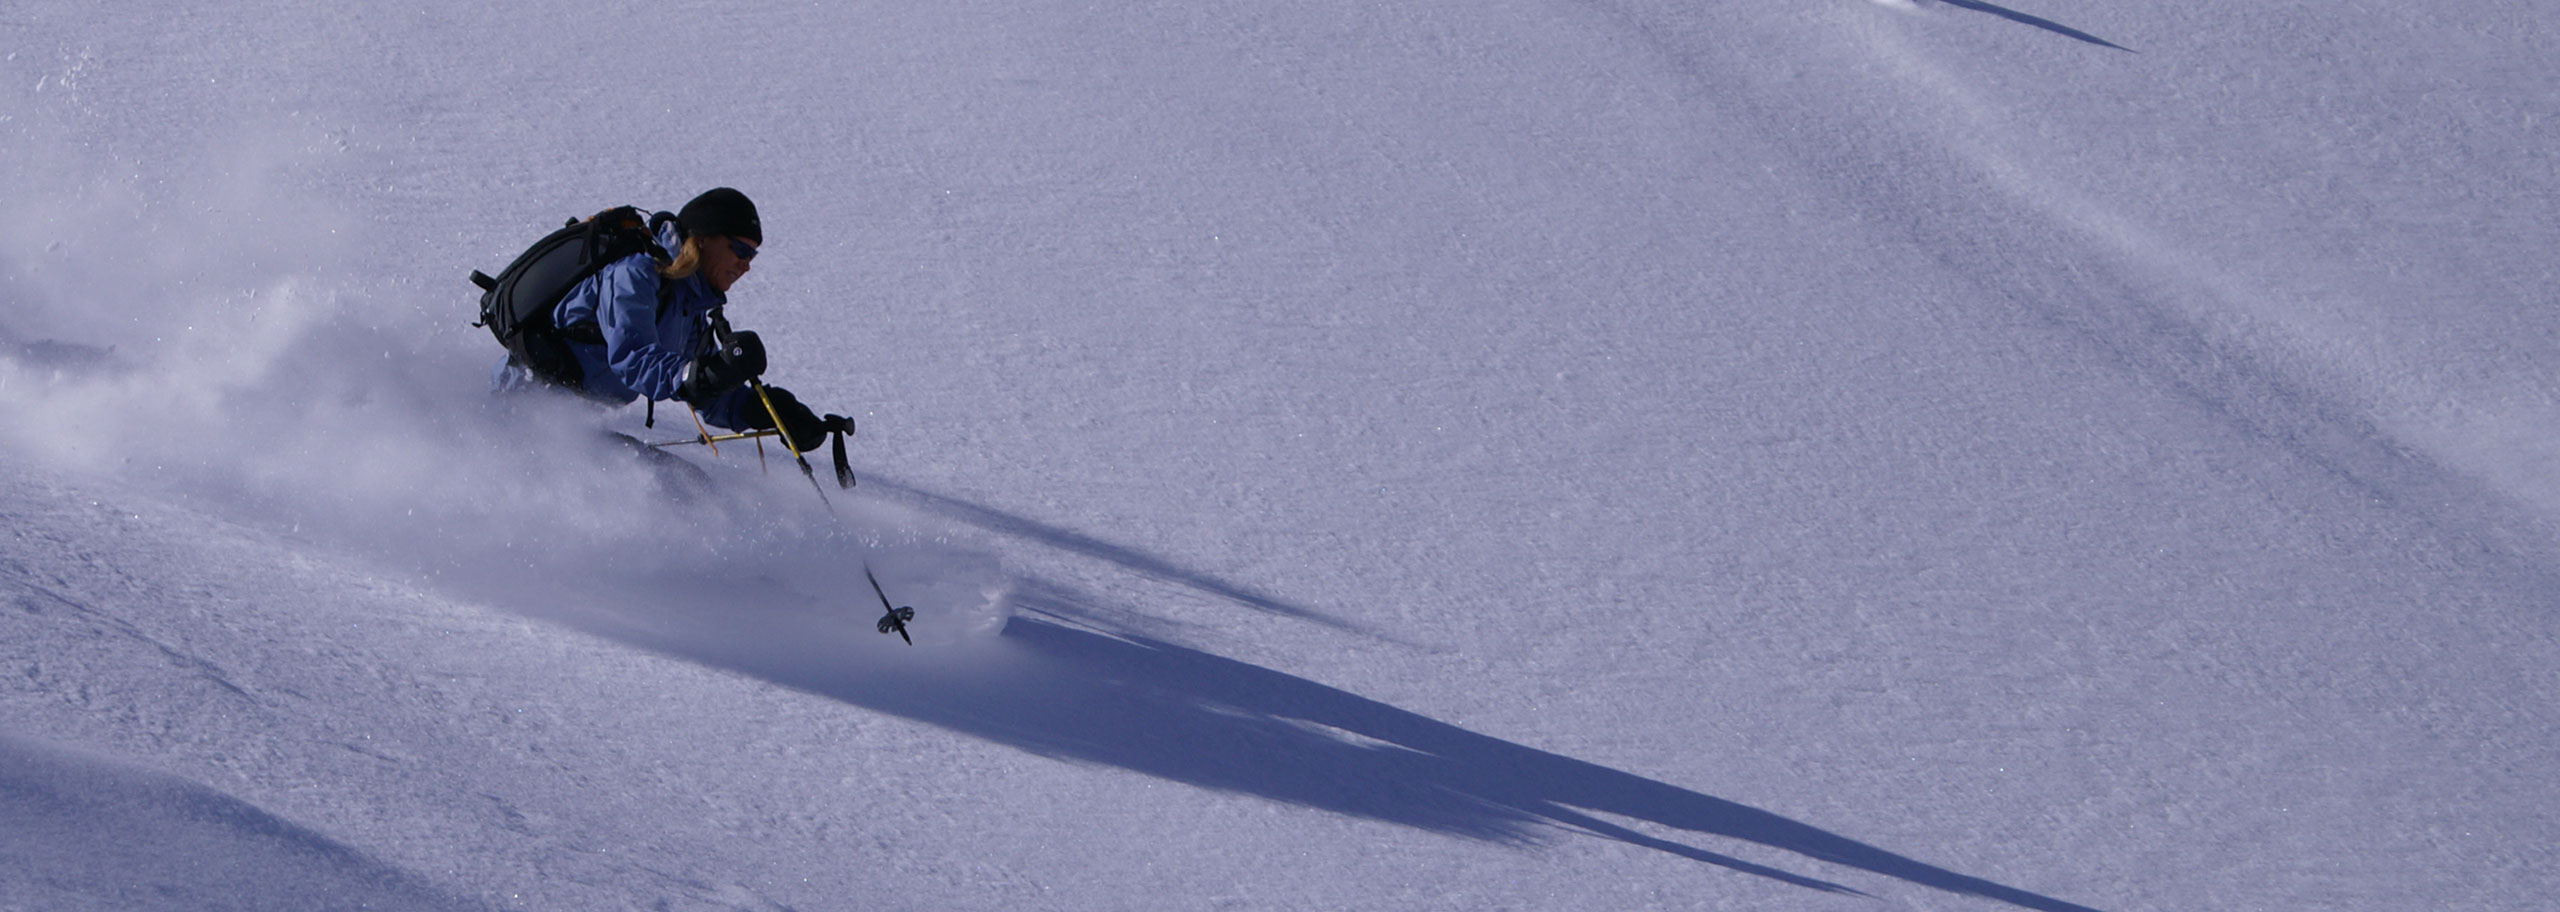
(154, 320)
(180, 320)
(205, 329)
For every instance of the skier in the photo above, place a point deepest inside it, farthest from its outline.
(641, 328)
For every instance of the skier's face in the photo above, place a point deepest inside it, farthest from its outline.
(722, 263)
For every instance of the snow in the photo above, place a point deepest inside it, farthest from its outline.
(1930, 454)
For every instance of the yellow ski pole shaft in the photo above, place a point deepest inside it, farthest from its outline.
(714, 440)
(789, 444)
(699, 429)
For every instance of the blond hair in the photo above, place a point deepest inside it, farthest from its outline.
(687, 262)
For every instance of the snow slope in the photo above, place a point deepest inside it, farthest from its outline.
(1930, 454)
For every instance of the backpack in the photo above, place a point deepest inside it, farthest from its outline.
(516, 306)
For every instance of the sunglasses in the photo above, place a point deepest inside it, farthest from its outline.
(744, 250)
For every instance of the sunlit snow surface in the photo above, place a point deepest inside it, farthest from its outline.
(1851, 454)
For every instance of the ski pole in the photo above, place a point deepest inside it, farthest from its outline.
(720, 330)
(789, 444)
(714, 440)
(895, 621)
(696, 415)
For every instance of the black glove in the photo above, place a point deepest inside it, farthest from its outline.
(804, 426)
(723, 369)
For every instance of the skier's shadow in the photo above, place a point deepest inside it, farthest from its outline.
(1060, 688)
(1069, 540)
(2049, 25)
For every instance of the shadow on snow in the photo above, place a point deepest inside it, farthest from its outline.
(2046, 24)
(1079, 543)
(1058, 686)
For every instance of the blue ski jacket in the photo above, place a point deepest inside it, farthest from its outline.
(646, 343)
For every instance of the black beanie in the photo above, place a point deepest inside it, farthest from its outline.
(721, 211)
